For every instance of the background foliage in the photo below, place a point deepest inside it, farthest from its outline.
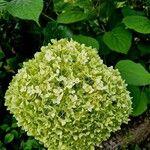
(119, 29)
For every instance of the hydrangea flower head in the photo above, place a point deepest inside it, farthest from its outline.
(67, 98)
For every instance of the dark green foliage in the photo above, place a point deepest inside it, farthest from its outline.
(119, 29)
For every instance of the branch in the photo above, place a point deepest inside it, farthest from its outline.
(133, 133)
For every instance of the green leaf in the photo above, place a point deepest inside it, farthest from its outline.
(50, 31)
(54, 30)
(119, 39)
(86, 4)
(115, 19)
(30, 144)
(137, 147)
(2, 55)
(5, 127)
(139, 100)
(72, 16)
(106, 8)
(133, 73)
(64, 32)
(1, 63)
(2, 74)
(14, 125)
(12, 62)
(147, 91)
(88, 41)
(8, 138)
(120, 4)
(15, 133)
(127, 11)
(142, 105)
(133, 54)
(3, 5)
(59, 5)
(104, 50)
(3, 148)
(144, 48)
(140, 24)
(26, 9)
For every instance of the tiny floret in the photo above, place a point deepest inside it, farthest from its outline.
(67, 98)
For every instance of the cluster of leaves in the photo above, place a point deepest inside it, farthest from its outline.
(11, 131)
(119, 29)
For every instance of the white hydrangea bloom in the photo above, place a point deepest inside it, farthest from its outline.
(49, 56)
(67, 98)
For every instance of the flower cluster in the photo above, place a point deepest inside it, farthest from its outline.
(67, 98)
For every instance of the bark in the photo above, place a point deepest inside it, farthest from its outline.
(135, 132)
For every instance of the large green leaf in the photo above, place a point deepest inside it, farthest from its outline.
(26, 9)
(3, 5)
(127, 11)
(72, 16)
(119, 39)
(140, 24)
(139, 100)
(88, 41)
(133, 73)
